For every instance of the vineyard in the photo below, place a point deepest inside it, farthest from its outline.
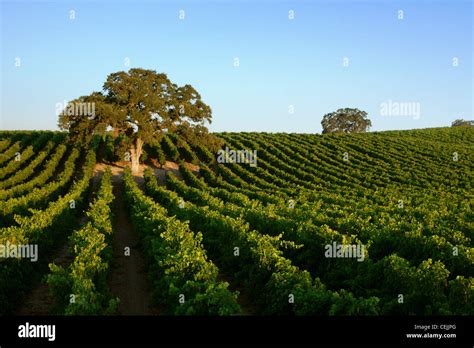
(375, 223)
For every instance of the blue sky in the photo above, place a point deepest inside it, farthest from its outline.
(285, 64)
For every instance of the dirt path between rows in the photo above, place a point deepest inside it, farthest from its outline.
(128, 277)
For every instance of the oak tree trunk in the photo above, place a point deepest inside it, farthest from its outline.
(136, 152)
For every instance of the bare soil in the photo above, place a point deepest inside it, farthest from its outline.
(128, 277)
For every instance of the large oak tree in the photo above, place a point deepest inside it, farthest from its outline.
(142, 105)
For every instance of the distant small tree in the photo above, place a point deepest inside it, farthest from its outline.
(346, 121)
(460, 122)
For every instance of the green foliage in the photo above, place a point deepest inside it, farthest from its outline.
(461, 295)
(21, 158)
(302, 196)
(204, 154)
(43, 227)
(420, 251)
(39, 195)
(86, 276)
(170, 149)
(11, 186)
(184, 149)
(346, 120)
(157, 153)
(140, 105)
(179, 263)
(269, 277)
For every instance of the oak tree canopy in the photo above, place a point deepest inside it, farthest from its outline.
(140, 105)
